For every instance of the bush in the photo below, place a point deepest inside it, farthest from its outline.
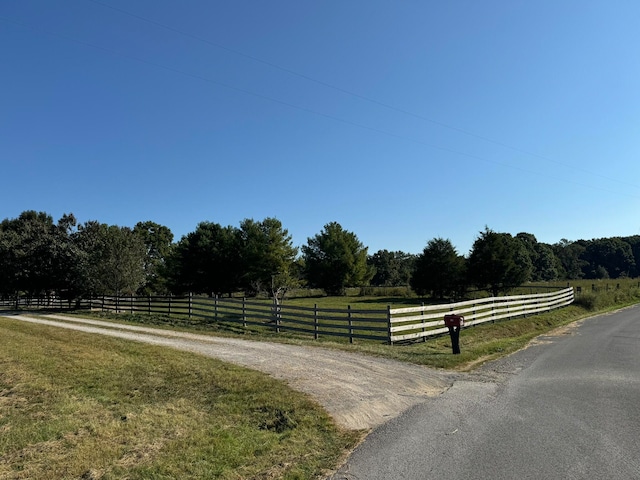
(588, 301)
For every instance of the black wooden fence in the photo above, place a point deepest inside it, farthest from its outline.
(261, 315)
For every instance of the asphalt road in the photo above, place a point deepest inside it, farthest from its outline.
(567, 407)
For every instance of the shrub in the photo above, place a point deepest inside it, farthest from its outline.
(588, 301)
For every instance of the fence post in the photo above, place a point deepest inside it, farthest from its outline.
(493, 311)
(350, 321)
(190, 303)
(169, 307)
(315, 321)
(276, 317)
(389, 324)
(131, 304)
(244, 313)
(424, 329)
(215, 308)
(149, 303)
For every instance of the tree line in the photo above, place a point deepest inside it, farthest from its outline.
(77, 260)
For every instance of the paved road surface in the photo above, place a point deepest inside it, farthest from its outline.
(567, 407)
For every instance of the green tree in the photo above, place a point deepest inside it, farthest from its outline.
(614, 255)
(392, 269)
(498, 262)
(634, 243)
(546, 266)
(35, 253)
(111, 259)
(158, 241)
(336, 259)
(439, 270)
(569, 255)
(10, 260)
(543, 260)
(206, 260)
(267, 255)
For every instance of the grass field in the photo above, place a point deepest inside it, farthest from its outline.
(75, 405)
(79, 406)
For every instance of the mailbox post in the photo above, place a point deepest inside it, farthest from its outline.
(454, 323)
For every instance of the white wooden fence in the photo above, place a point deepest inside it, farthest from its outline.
(420, 322)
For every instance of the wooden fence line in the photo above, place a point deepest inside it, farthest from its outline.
(315, 321)
(388, 325)
(413, 323)
(40, 302)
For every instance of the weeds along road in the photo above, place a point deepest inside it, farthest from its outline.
(360, 392)
(567, 407)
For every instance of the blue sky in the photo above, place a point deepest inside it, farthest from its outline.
(401, 120)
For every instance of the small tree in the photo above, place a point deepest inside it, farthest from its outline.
(158, 241)
(498, 262)
(267, 254)
(439, 270)
(335, 259)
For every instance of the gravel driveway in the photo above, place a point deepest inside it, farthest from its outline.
(360, 392)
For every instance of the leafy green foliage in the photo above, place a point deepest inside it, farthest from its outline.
(569, 255)
(158, 241)
(392, 269)
(206, 260)
(38, 256)
(544, 264)
(498, 262)
(439, 270)
(267, 255)
(112, 259)
(35, 253)
(609, 258)
(335, 259)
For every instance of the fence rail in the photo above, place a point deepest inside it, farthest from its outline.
(385, 325)
(43, 302)
(424, 321)
(315, 321)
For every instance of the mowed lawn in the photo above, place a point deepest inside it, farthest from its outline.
(75, 405)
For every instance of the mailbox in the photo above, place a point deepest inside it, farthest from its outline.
(453, 320)
(455, 323)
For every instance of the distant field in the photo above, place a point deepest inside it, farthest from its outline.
(75, 405)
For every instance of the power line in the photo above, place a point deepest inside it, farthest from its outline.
(300, 108)
(357, 95)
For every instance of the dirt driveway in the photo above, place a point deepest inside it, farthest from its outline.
(360, 392)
